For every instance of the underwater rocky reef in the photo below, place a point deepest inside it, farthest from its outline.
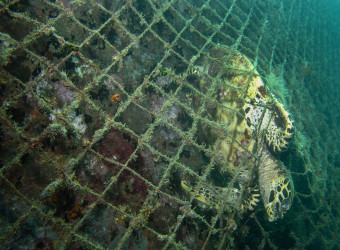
(168, 125)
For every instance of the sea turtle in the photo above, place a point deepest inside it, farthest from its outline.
(258, 127)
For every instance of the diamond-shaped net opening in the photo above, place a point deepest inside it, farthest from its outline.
(178, 124)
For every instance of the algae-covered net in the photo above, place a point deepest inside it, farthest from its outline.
(145, 124)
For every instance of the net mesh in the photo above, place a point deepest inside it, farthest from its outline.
(102, 117)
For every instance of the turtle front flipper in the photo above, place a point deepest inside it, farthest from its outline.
(280, 130)
(203, 194)
(229, 198)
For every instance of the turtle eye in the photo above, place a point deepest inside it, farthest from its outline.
(285, 205)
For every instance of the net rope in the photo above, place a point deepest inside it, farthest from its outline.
(100, 122)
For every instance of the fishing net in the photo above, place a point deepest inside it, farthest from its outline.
(168, 124)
